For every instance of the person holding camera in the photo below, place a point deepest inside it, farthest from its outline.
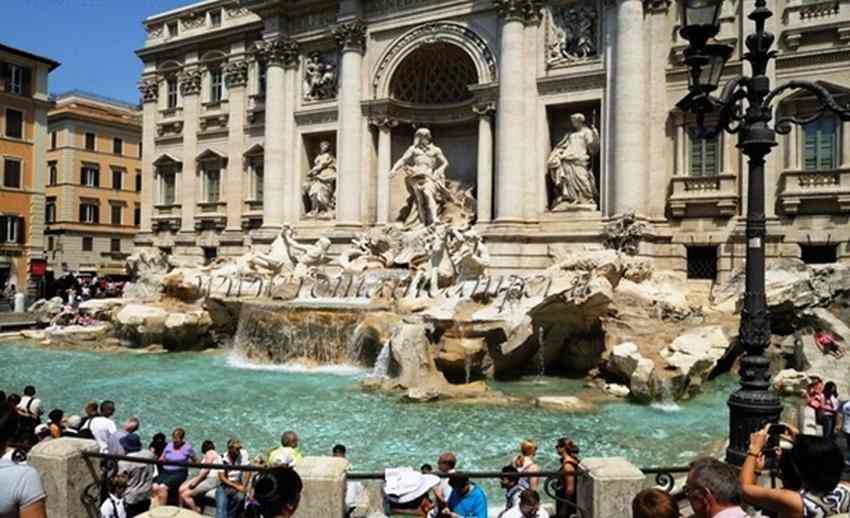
(811, 474)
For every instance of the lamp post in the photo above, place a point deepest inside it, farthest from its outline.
(745, 107)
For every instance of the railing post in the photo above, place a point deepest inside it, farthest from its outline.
(606, 487)
(323, 495)
(65, 474)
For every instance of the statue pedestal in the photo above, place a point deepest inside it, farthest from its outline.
(574, 207)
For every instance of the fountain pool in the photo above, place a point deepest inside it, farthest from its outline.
(218, 395)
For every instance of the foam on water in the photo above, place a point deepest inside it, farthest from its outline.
(666, 406)
(238, 361)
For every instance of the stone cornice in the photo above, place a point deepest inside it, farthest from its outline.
(525, 11)
(351, 35)
(281, 51)
(236, 74)
(149, 88)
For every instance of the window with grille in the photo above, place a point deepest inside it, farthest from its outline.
(11, 229)
(215, 85)
(118, 146)
(703, 155)
(14, 123)
(115, 245)
(90, 176)
(50, 210)
(439, 73)
(12, 173)
(167, 184)
(702, 262)
(88, 244)
(117, 179)
(171, 92)
(257, 171)
(820, 149)
(90, 141)
(819, 254)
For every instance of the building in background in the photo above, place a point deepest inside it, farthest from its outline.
(93, 183)
(239, 97)
(24, 103)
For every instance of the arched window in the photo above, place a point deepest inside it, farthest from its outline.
(437, 73)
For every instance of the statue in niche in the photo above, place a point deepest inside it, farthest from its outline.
(572, 31)
(319, 78)
(570, 175)
(424, 166)
(320, 188)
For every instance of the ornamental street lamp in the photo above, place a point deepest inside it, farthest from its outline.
(745, 106)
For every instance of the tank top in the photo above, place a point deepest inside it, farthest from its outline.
(820, 506)
(525, 482)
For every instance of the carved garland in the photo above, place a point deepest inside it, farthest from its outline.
(236, 74)
(429, 33)
(190, 82)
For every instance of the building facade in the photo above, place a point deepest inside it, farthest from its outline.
(554, 116)
(94, 181)
(24, 102)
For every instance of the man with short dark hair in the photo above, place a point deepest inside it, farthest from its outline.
(713, 489)
(338, 451)
(467, 500)
(528, 507)
(512, 489)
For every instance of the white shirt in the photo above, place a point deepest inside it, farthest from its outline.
(514, 512)
(113, 507)
(845, 411)
(101, 428)
(34, 409)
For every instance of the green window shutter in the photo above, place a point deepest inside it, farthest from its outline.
(826, 144)
(710, 162)
(810, 147)
(696, 162)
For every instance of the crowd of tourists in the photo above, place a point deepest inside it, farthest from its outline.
(810, 468)
(823, 409)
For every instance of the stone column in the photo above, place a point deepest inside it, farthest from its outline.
(351, 39)
(510, 163)
(681, 144)
(236, 78)
(65, 474)
(606, 487)
(630, 110)
(484, 199)
(278, 54)
(385, 162)
(190, 89)
(149, 88)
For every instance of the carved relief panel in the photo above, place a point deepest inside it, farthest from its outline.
(572, 33)
(320, 76)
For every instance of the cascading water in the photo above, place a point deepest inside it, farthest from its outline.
(382, 363)
(667, 403)
(540, 356)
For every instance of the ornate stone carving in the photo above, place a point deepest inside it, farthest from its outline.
(624, 233)
(169, 128)
(281, 51)
(309, 21)
(320, 77)
(154, 31)
(320, 187)
(194, 20)
(571, 180)
(236, 74)
(308, 259)
(383, 122)
(433, 32)
(484, 108)
(235, 10)
(572, 33)
(526, 11)
(351, 35)
(431, 198)
(149, 88)
(190, 82)
(656, 5)
(213, 121)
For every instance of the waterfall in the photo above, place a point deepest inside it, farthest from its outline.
(382, 363)
(467, 365)
(667, 403)
(541, 358)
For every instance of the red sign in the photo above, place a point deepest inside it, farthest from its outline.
(38, 267)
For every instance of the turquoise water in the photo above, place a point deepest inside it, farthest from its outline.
(215, 396)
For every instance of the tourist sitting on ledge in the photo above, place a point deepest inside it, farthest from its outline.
(654, 503)
(467, 500)
(288, 454)
(713, 491)
(811, 473)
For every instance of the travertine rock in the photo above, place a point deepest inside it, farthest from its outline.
(693, 356)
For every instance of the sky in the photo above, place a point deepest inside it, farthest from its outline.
(94, 40)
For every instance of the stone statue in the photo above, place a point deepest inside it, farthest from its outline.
(319, 78)
(307, 258)
(470, 256)
(569, 170)
(572, 34)
(320, 188)
(272, 263)
(424, 166)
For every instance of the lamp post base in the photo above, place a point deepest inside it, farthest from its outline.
(749, 411)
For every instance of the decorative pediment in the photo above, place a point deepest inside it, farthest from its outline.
(166, 159)
(255, 150)
(210, 154)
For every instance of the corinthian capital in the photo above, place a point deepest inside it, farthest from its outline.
(526, 11)
(190, 82)
(351, 35)
(149, 88)
(236, 74)
(282, 51)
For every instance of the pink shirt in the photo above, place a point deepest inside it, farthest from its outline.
(731, 512)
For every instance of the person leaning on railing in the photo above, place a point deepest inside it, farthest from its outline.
(810, 471)
(22, 494)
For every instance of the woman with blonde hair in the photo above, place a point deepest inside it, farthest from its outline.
(524, 463)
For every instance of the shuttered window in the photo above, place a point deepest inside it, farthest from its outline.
(215, 85)
(12, 173)
(213, 186)
(171, 92)
(89, 213)
(90, 176)
(704, 156)
(820, 149)
(14, 123)
(168, 184)
(12, 230)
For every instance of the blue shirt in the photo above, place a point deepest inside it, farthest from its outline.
(471, 505)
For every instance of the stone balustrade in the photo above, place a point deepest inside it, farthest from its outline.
(703, 196)
(815, 191)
